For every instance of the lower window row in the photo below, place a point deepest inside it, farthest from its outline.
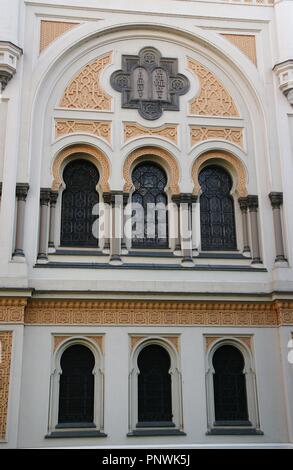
(155, 390)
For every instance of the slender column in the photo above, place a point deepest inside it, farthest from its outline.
(176, 201)
(44, 218)
(243, 206)
(21, 195)
(124, 221)
(53, 202)
(194, 223)
(252, 202)
(276, 202)
(0, 190)
(186, 233)
(116, 215)
(107, 220)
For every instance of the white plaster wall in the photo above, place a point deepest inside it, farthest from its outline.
(36, 376)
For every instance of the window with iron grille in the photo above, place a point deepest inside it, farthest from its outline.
(78, 200)
(217, 219)
(76, 393)
(149, 181)
(154, 385)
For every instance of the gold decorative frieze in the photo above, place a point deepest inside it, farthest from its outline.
(5, 364)
(100, 129)
(245, 42)
(172, 339)
(231, 134)
(210, 340)
(168, 131)
(156, 313)
(12, 310)
(213, 99)
(97, 339)
(52, 30)
(85, 90)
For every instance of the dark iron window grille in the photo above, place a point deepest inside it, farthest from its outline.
(149, 181)
(217, 218)
(230, 394)
(76, 394)
(154, 386)
(78, 200)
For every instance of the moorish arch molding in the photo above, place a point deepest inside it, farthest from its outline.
(89, 152)
(161, 156)
(227, 158)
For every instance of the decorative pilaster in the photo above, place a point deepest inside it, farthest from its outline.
(276, 202)
(21, 195)
(45, 197)
(53, 202)
(252, 204)
(243, 203)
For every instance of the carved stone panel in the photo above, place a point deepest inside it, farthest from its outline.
(150, 83)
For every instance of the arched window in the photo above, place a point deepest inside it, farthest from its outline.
(76, 392)
(78, 200)
(154, 385)
(230, 394)
(151, 223)
(217, 217)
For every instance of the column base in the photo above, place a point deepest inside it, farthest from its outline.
(256, 261)
(19, 253)
(187, 262)
(115, 260)
(51, 249)
(42, 258)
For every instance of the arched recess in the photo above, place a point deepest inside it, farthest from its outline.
(228, 160)
(176, 382)
(155, 154)
(250, 384)
(89, 152)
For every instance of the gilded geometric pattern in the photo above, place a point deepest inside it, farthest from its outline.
(168, 159)
(98, 339)
(214, 99)
(168, 131)
(5, 364)
(12, 310)
(155, 313)
(231, 134)
(85, 90)
(210, 340)
(51, 30)
(226, 157)
(244, 42)
(98, 128)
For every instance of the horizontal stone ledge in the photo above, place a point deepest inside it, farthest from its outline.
(76, 434)
(155, 432)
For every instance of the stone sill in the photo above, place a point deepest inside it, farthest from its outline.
(155, 432)
(77, 434)
(234, 432)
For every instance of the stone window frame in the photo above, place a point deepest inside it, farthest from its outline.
(251, 388)
(176, 390)
(54, 430)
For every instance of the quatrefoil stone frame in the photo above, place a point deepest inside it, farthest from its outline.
(150, 83)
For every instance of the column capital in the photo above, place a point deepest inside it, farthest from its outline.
(109, 198)
(45, 196)
(125, 199)
(22, 191)
(276, 199)
(184, 198)
(53, 197)
(243, 203)
(252, 203)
